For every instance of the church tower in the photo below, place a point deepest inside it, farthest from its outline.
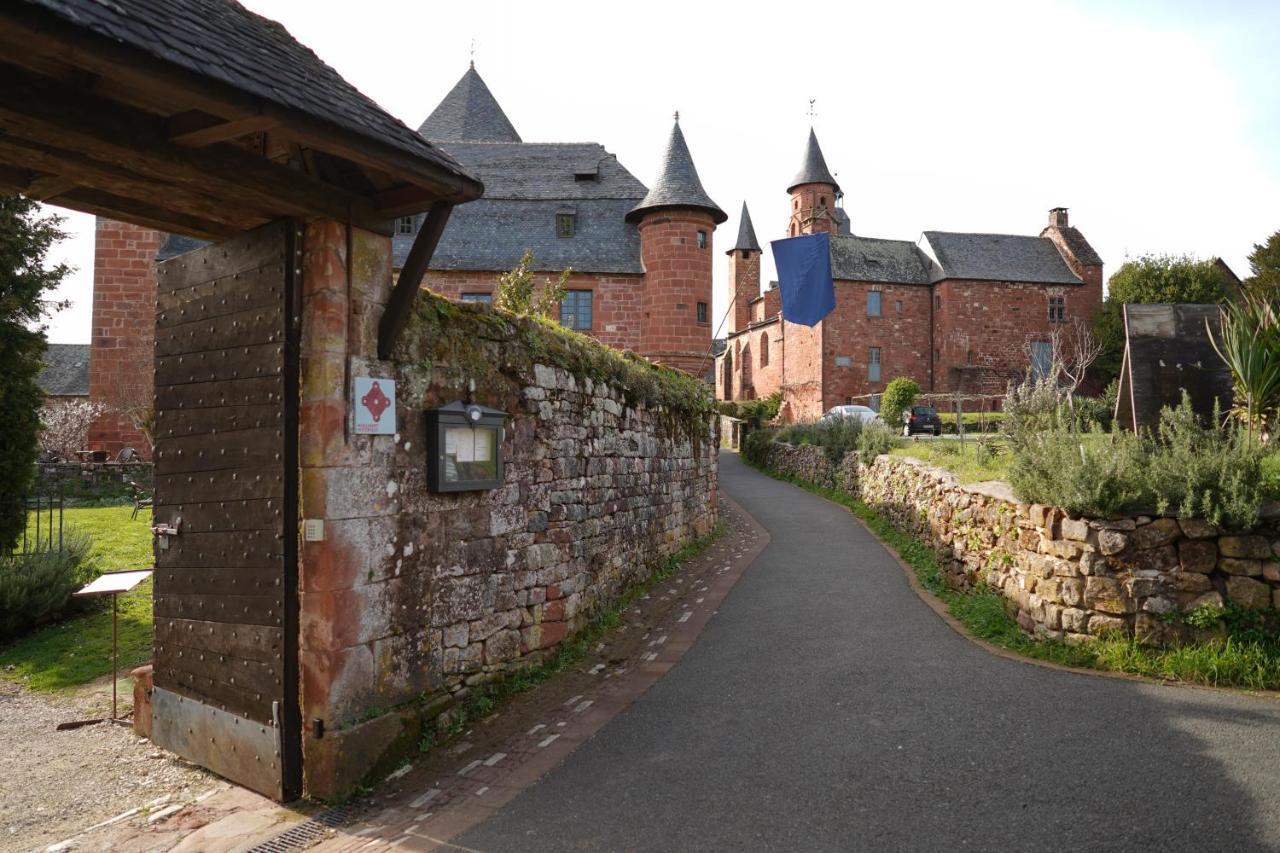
(813, 194)
(676, 221)
(744, 272)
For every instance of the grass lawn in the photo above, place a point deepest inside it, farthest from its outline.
(969, 463)
(78, 650)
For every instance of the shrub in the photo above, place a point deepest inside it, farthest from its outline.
(897, 398)
(1208, 472)
(877, 438)
(1098, 474)
(836, 436)
(36, 587)
(757, 413)
(755, 446)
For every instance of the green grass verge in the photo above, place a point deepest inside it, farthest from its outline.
(1235, 661)
(78, 650)
(487, 698)
(969, 463)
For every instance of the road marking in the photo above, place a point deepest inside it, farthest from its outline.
(584, 706)
(494, 759)
(574, 699)
(547, 741)
(685, 616)
(539, 727)
(425, 798)
(480, 791)
(472, 766)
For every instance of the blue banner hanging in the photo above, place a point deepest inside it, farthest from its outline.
(804, 274)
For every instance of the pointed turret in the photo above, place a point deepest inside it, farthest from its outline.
(744, 273)
(677, 184)
(813, 194)
(469, 113)
(814, 168)
(747, 241)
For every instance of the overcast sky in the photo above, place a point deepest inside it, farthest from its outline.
(1157, 124)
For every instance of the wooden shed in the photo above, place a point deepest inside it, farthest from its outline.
(1168, 352)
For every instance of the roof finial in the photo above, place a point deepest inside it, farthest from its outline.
(677, 116)
(813, 111)
(473, 53)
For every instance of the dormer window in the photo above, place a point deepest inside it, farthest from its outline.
(404, 225)
(565, 224)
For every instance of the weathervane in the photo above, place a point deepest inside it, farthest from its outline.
(473, 53)
(677, 115)
(813, 112)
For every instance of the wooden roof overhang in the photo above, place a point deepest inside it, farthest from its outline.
(99, 125)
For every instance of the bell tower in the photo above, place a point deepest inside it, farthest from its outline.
(813, 194)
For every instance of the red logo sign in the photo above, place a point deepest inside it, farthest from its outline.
(375, 401)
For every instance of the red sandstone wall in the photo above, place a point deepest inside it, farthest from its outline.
(677, 277)
(617, 309)
(802, 372)
(901, 331)
(812, 210)
(744, 285)
(122, 345)
(981, 329)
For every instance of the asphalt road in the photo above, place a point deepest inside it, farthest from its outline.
(826, 707)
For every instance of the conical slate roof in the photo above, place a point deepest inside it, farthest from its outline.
(814, 170)
(469, 113)
(747, 241)
(678, 184)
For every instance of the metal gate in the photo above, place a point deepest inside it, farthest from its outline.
(226, 624)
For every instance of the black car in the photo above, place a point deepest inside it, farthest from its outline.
(921, 419)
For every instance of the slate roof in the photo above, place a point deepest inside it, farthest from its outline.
(66, 371)
(746, 234)
(814, 168)
(222, 41)
(678, 184)
(871, 259)
(526, 185)
(998, 257)
(469, 112)
(1079, 246)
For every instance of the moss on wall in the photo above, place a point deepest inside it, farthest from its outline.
(451, 344)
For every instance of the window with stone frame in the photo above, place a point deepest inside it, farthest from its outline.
(575, 310)
(404, 225)
(702, 239)
(702, 314)
(873, 303)
(873, 364)
(764, 349)
(566, 223)
(1057, 309)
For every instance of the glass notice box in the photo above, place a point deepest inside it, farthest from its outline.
(464, 448)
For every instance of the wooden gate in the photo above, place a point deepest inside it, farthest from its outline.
(226, 624)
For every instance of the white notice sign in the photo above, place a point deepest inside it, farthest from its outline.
(375, 403)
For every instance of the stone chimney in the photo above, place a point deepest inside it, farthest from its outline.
(1058, 217)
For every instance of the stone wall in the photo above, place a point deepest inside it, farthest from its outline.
(413, 597)
(1064, 577)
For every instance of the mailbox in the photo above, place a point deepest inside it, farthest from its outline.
(464, 448)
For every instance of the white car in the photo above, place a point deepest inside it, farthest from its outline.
(863, 413)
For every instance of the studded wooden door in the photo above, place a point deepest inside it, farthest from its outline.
(226, 629)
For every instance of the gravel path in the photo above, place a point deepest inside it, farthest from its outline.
(55, 784)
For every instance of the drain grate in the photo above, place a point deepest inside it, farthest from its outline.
(307, 832)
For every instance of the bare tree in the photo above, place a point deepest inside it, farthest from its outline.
(1075, 349)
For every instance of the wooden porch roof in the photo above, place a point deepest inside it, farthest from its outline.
(199, 117)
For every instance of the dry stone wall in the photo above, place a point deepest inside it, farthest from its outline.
(413, 598)
(1064, 577)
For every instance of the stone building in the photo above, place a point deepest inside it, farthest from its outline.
(953, 311)
(641, 257)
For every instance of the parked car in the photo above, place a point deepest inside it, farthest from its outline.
(921, 419)
(862, 413)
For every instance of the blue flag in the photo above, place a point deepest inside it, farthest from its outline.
(804, 274)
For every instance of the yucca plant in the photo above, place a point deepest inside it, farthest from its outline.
(1249, 343)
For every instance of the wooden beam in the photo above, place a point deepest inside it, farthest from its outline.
(197, 129)
(400, 303)
(42, 109)
(48, 187)
(59, 165)
(155, 216)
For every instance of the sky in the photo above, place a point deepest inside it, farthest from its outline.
(1156, 123)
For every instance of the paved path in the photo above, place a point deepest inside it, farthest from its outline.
(826, 707)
